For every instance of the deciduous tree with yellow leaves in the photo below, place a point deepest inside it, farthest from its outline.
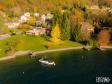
(55, 34)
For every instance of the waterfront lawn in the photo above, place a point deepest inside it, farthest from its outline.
(34, 43)
(66, 44)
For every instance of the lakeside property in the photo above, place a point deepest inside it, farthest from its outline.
(73, 35)
(25, 43)
(36, 53)
(33, 43)
(79, 24)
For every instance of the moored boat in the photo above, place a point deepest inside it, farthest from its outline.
(47, 62)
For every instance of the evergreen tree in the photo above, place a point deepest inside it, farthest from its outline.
(57, 17)
(76, 33)
(65, 27)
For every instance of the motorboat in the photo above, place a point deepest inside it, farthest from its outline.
(47, 62)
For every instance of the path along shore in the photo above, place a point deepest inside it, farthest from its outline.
(23, 53)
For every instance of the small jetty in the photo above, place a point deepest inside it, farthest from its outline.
(99, 48)
(86, 48)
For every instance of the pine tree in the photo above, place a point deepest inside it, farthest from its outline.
(57, 18)
(76, 33)
(65, 27)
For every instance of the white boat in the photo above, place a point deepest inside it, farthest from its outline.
(46, 62)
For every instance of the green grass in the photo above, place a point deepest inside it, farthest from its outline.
(24, 43)
(67, 44)
(34, 43)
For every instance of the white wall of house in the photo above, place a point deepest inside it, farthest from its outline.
(49, 16)
(24, 17)
(27, 14)
(36, 14)
(36, 31)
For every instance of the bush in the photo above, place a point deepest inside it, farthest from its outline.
(47, 38)
(103, 38)
(24, 26)
(32, 21)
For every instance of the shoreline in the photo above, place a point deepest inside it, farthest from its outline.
(22, 53)
(55, 50)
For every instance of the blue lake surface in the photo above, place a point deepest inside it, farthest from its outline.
(72, 67)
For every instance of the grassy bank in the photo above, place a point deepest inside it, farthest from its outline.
(34, 43)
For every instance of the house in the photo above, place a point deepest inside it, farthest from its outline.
(24, 17)
(36, 32)
(36, 14)
(12, 24)
(27, 14)
(44, 19)
(49, 16)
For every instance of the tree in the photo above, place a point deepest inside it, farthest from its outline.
(11, 46)
(24, 26)
(2, 26)
(81, 3)
(32, 21)
(76, 33)
(107, 3)
(55, 34)
(75, 20)
(103, 38)
(57, 18)
(65, 27)
(86, 31)
(63, 20)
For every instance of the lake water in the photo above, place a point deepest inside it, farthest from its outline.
(72, 67)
